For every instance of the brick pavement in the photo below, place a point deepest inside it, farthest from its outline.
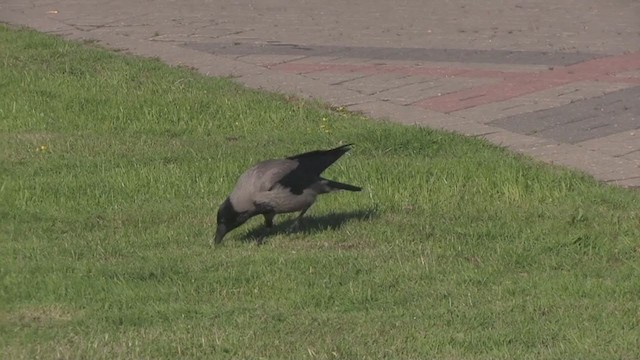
(557, 80)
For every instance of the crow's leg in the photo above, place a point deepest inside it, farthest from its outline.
(268, 223)
(268, 219)
(296, 223)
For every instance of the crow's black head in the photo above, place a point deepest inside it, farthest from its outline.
(228, 219)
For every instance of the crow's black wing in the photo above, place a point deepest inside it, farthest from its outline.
(315, 162)
(310, 166)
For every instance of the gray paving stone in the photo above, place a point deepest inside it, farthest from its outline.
(618, 144)
(581, 120)
(633, 156)
(601, 166)
(413, 93)
(588, 26)
(412, 115)
(267, 60)
(397, 53)
(516, 142)
(333, 78)
(378, 83)
(540, 100)
(315, 60)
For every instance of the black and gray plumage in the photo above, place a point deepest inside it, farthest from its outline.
(279, 186)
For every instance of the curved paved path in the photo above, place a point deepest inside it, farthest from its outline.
(557, 80)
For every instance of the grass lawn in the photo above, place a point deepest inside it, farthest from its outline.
(112, 168)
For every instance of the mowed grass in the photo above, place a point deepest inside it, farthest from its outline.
(111, 171)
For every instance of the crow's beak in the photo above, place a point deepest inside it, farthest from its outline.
(221, 231)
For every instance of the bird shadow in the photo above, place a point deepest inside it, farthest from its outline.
(309, 224)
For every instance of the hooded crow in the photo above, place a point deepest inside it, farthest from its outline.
(279, 186)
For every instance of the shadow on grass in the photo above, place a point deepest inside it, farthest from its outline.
(309, 225)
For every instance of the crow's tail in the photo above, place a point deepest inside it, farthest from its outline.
(334, 185)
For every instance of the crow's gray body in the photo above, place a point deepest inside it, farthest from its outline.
(279, 186)
(258, 187)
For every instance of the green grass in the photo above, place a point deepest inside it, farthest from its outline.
(112, 168)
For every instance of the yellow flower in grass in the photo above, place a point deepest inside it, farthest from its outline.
(324, 125)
